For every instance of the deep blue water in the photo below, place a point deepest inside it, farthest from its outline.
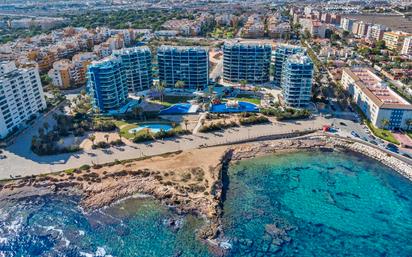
(299, 204)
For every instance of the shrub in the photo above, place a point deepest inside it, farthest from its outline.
(217, 126)
(104, 126)
(101, 144)
(286, 114)
(85, 167)
(143, 137)
(117, 142)
(253, 120)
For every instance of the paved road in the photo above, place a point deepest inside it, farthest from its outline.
(21, 161)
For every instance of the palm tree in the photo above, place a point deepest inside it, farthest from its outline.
(186, 121)
(409, 123)
(137, 112)
(385, 123)
(107, 138)
(46, 126)
(180, 84)
(92, 138)
(243, 82)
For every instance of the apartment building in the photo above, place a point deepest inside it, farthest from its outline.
(60, 74)
(376, 31)
(280, 55)
(107, 84)
(376, 100)
(243, 61)
(297, 75)
(347, 24)
(407, 46)
(187, 64)
(254, 27)
(21, 96)
(394, 39)
(137, 62)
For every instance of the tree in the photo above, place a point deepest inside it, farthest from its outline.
(159, 88)
(180, 84)
(46, 126)
(107, 137)
(409, 123)
(137, 112)
(385, 123)
(306, 34)
(186, 121)
(243, 82)
(92, 138)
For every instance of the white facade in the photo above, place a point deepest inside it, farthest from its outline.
(376, 100)
(407, 46)
(21, 97)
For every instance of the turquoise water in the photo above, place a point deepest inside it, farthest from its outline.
(299, 204)
(243, 107)
(317, 204)
(153, 127)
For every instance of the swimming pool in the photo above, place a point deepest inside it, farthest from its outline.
(180, 109)
(153, 127)
(243, 107)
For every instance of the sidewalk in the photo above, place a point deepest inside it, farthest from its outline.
(21, 161)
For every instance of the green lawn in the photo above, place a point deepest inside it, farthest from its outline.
(249, 99)
(409, 133)
(171, 100)
(381, 133)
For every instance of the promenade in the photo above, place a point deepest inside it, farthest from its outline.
(21, 161)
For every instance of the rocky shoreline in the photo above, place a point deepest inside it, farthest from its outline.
(189, 182)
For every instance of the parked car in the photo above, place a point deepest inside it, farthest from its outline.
(407, 155)
(392, 148)
(353, 133)
(342, 123)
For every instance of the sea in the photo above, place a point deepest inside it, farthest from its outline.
(292, 204)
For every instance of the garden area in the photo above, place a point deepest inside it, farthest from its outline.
(381, 133)
(218, 122)
(286, 113)
(169, 100)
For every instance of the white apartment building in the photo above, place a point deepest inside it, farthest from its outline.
(375, 32)
(376, 100)
(407, 46)
(21, 96)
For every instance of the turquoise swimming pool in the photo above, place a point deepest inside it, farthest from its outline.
(242, 107)
(153, 127)
(181, 108)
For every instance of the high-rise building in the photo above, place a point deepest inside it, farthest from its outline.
(375, 32)
(21, 96)
(107, 84)
(347, 24)
(250, 62)
(394, 39)
(137, 63)
(407, 46)
(187, 64)
(297, 77)
(280, 56)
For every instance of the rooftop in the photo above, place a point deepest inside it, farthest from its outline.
(376, 89)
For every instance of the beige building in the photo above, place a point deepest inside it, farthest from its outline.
(394, 39)
(376, 100)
